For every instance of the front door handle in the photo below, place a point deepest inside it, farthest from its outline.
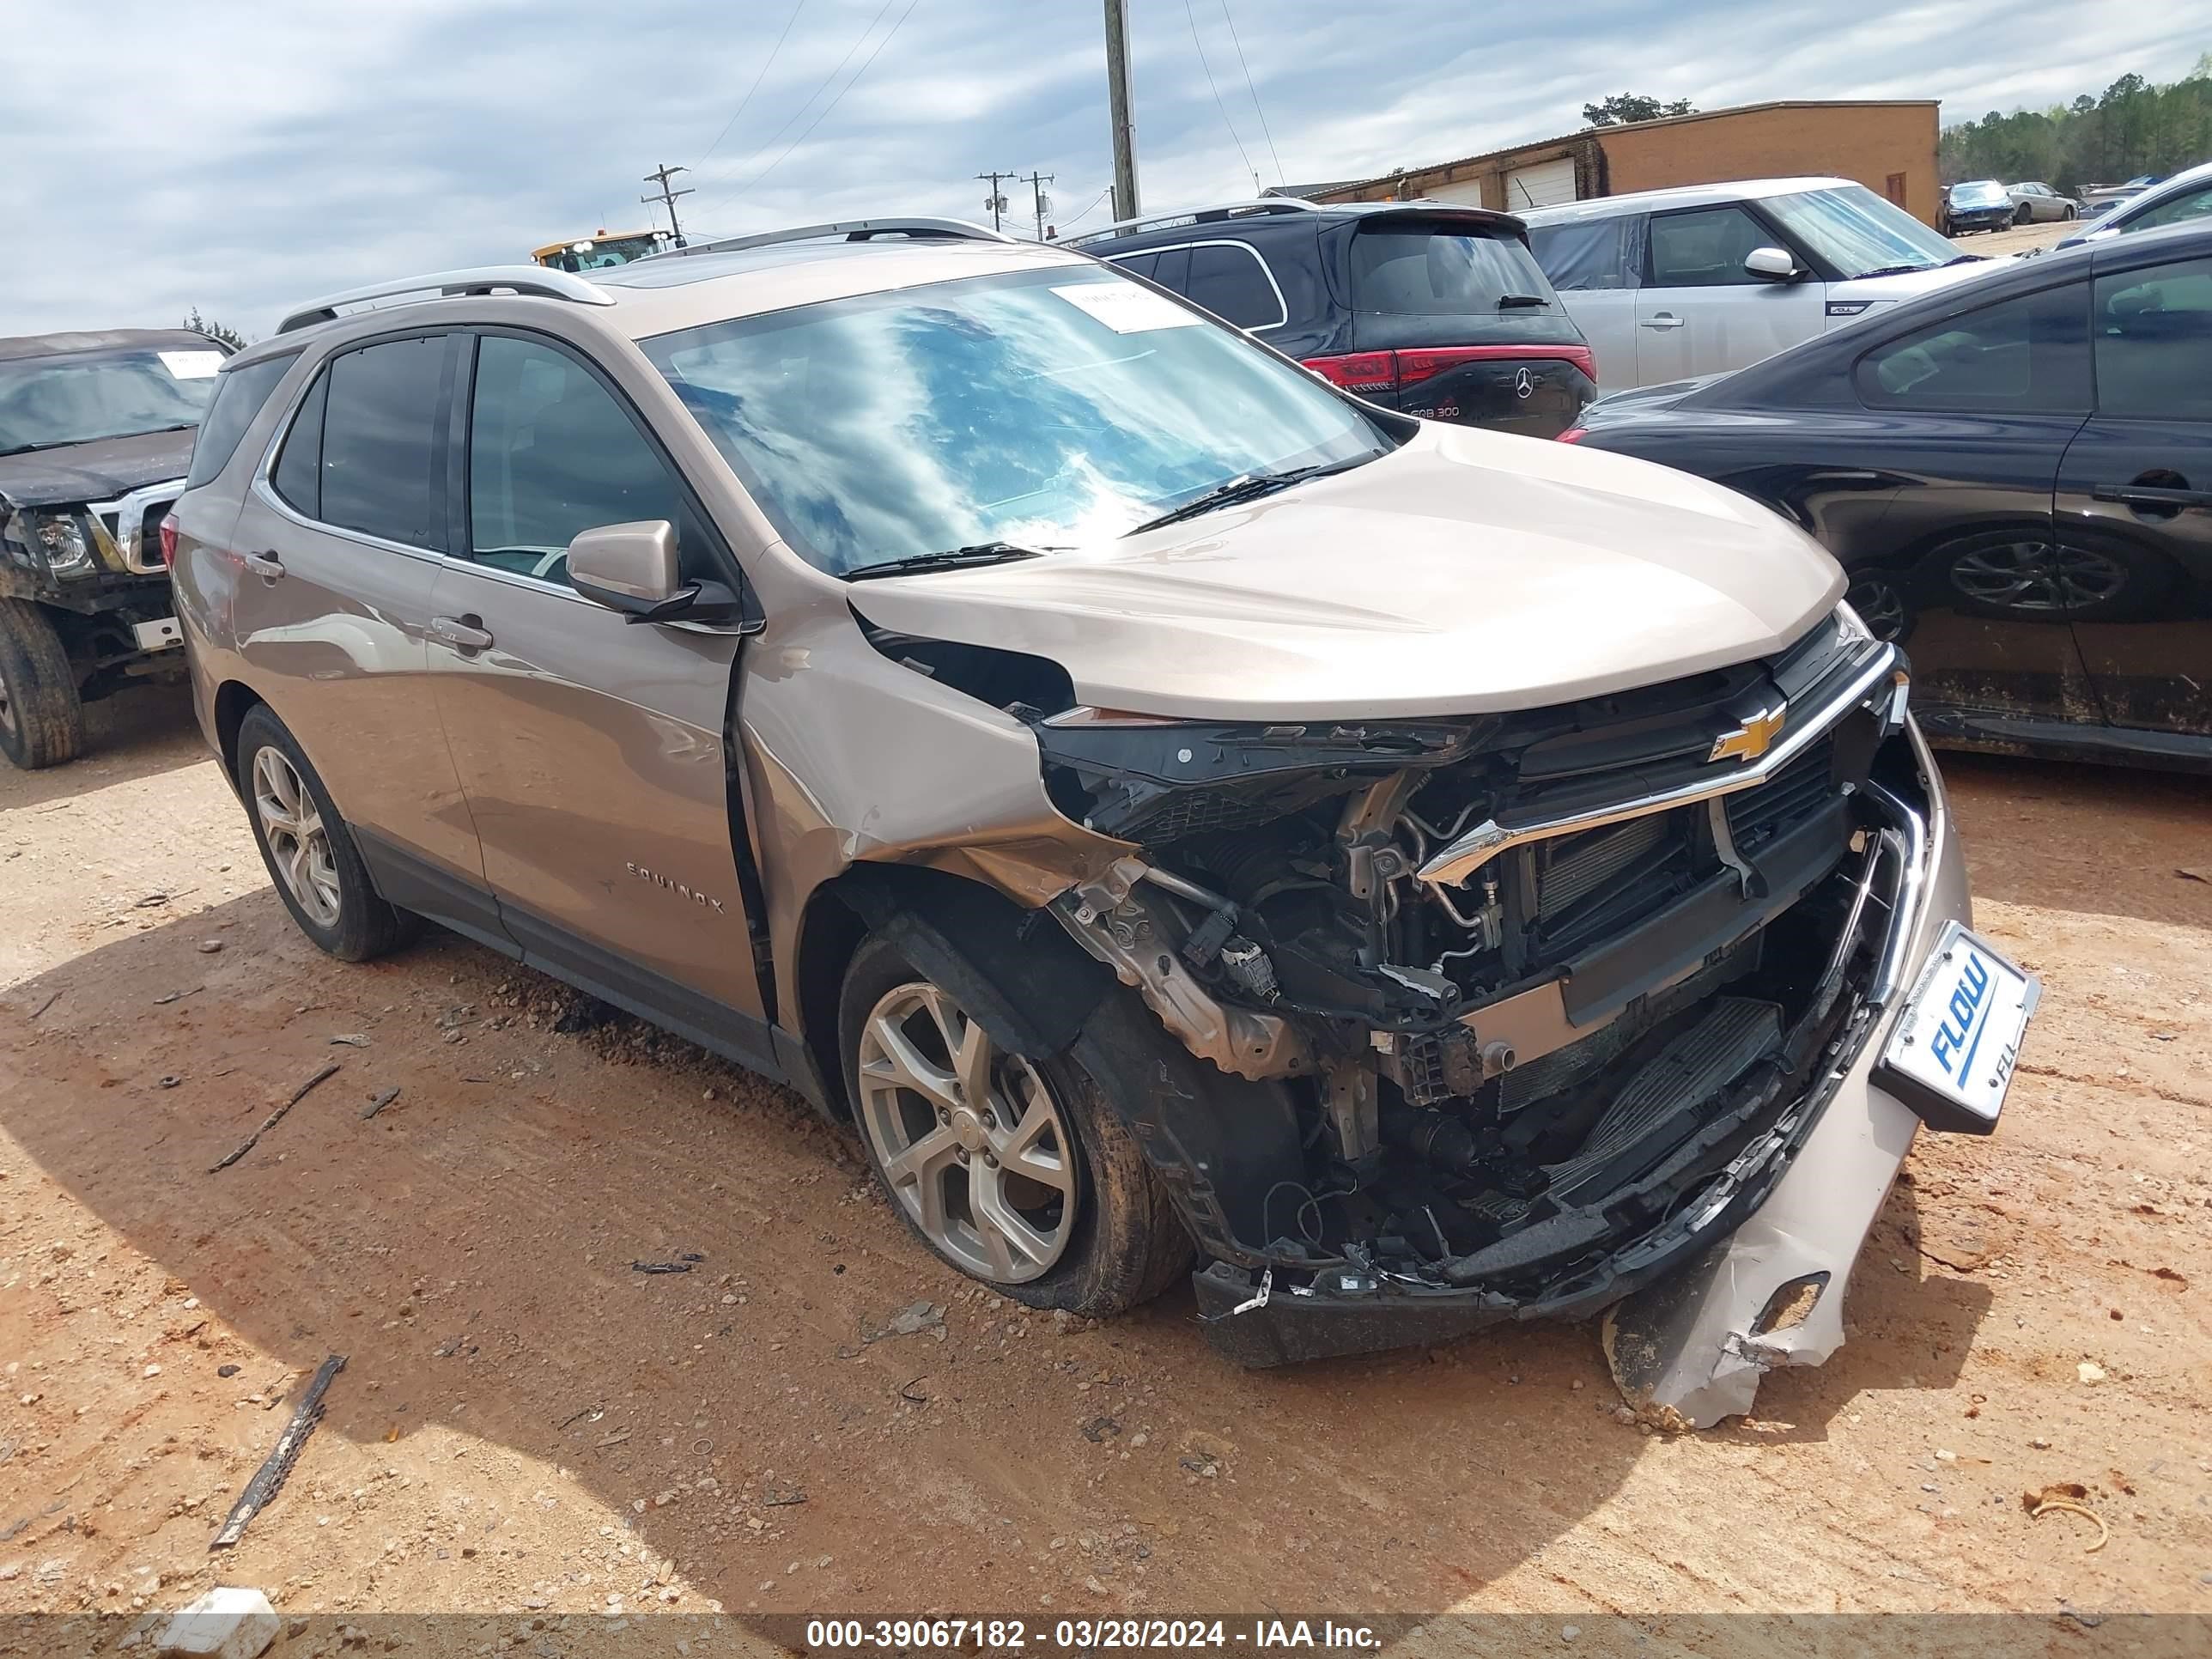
(462, 633)
(267, 566)
(2151, 498)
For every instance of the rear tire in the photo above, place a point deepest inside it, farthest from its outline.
(310, 852)
(41, 716)
(1096, 1235)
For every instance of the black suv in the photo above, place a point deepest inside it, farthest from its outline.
(95, 433)
(1434, 310)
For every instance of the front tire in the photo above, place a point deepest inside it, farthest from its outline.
(308, 849)
(41, 716)
(1013, 1171)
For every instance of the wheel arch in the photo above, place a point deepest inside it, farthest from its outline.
(234, 701)
(1225, 1146)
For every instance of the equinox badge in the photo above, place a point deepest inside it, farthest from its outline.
(1753, 737)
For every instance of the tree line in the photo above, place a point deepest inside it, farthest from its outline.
(2134, 128)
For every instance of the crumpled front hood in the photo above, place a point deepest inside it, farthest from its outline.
(1467, 573)
(96, 471)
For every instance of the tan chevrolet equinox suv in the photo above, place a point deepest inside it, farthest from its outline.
(1181, 816)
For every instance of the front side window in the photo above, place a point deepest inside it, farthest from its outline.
(1045, 408)
(83, 397)
(1857, 234)
(1706, 248)
(383, 470)
(2153, 330)
(1228, 280)
(1589, 255)
(2020, 355)
(2190, 204)
(551, 453)
(239, 395)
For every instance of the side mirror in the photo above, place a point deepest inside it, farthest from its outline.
(633, 568)
(1771, 265)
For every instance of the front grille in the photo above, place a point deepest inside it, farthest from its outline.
(1800, 789)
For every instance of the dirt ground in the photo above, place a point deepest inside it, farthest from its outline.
(526, 1424)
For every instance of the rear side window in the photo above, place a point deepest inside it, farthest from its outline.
(1706, 248)
(1141, 265)
(2023, 355)
(1591, 254)
(239, 395)
(1422, 270)
(2153, 329)
(1229, 280)
(383, 470)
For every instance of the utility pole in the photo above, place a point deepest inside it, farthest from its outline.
(997, 203)
(1117, 100)
(661, 175)
(1036, 182)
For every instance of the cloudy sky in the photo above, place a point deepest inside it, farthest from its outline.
(240, 155)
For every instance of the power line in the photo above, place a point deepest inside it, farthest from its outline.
(767, 65)
(793, 120)
(1217, 104)
(1088, 211)
(832, 104)
(1254, 90)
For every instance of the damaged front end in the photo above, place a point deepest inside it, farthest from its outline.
(1560, 995)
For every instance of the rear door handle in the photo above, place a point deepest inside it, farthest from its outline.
(267, 566)
(462, 633)
(2151, 497)
(1664, 320)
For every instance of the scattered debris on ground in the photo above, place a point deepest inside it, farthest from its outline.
(269, 1480)
(276, 1117)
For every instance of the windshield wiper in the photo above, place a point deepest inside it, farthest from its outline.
(958, 558)
(1247, 487)
(1900, 270)
(1519, 301)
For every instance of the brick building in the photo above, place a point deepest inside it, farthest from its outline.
(1888, 145)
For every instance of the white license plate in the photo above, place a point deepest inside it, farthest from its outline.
(1951, 1055)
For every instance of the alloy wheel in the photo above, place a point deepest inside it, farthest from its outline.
(1879, 605)
(2036, 576)
(299, 844)
(970, 1139)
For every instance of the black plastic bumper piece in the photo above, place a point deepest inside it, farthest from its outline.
(1293, 1326)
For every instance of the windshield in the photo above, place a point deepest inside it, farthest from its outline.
(1986, 192)
(1856, 232)
(1426, 271)
(1047, 408)
(83, 396)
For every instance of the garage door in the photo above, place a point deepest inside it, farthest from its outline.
(1468, 192)
(1545, 184)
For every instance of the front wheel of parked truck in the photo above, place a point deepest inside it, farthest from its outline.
(1013, 1171)
(42, 718)
(308, 848)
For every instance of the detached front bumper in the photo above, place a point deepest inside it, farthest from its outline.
(1690, 1334)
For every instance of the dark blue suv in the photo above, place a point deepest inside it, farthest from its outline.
(1421, 307)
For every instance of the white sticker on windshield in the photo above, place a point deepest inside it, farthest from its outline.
(191, 365)
(1127, 309)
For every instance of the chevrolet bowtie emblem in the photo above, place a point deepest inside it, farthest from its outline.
(1753, 737)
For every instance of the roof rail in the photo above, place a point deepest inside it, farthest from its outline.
(852, 230)
(1197, 215)
(534, 279)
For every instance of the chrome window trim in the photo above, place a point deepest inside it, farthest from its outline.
(1452, 864)
(1266, 269)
